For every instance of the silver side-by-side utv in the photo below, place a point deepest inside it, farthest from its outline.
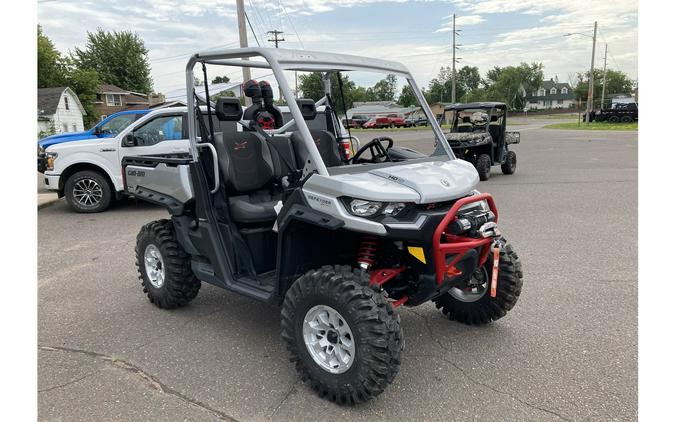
(291, 210)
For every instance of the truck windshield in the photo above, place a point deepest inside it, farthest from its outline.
(117, 124)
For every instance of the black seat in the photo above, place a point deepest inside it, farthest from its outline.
(247, 167)
(283, 155)
(326, 144)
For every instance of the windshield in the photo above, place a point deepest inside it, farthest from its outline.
(117, 124)
(470, 120)
(367, 102)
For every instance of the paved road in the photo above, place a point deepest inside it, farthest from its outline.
(568, 350)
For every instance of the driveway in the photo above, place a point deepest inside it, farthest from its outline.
(567, 351)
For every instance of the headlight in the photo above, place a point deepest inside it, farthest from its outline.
(393, 208)
(41, 150)
(363, 208)
(473, 206)
(51, 156)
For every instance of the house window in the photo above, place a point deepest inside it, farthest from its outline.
(74, 127)
(542, 92)
(560, 101)
(65, 128)
(113, 100)
(66, 103)
(563, 91)
(553, 91)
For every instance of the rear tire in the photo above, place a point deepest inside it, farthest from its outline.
(88, 191)
(164, 267)
(486, 308)
(613, 119)
(626, 119)
(372, 329)
(509, 166)
(483, 164)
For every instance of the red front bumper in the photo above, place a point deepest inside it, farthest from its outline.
(447, 244)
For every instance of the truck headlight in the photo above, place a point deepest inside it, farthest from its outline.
(363, 208)
(51, 157)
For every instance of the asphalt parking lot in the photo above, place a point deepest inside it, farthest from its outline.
(567, 351)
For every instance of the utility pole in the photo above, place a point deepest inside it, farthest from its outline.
(604, 79)
(243, 43)
(454, 46)
(276, 40)
(589, 104)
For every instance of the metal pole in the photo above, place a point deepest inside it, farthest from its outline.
(243, 42)
(589, 103)
(454, 77)
(604, 80)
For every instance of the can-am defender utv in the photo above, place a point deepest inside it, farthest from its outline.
(478, 135)
(286, 216)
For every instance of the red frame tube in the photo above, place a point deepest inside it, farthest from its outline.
(459, 245)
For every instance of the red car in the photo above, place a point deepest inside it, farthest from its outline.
(396, 120)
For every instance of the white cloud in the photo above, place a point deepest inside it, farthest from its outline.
(460, 21)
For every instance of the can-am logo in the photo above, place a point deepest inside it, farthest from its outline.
(445, 182)
(238, 146)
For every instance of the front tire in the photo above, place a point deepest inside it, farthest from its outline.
(344, 338)
(483, 164)
(509, 166)
(88, 191)
(164, 267)
(468, 308)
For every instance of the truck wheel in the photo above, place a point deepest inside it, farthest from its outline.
(475, 306)
(164, 267)
(483, 164)
(344, 337)
(626, 119)
(88, 191)
(509, 166)
(613, 119)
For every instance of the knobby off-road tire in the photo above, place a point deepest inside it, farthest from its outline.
(88, 191)
(626, 119)
(483, 164)
(509, 166)
(158, 252)
(373, 323)
(487, 308)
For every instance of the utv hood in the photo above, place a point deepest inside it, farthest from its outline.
(425, 182)
(459, 139)
(434, 181)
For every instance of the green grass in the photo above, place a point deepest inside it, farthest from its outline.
(594, 126)
(548, 116)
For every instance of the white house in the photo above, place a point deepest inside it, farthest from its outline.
(59, 110)
(551, 94)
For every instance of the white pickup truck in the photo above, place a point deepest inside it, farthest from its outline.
(89, 172)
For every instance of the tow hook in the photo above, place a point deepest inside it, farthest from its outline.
(496, 246)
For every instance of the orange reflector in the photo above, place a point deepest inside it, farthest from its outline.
(453, 271)
(495, 273)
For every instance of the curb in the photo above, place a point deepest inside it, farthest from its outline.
(47, 202)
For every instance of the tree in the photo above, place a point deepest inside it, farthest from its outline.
(220, 80)
(407, 97)
(507, 84)
(85, 83)
(385, 90)
(51, 69)
(468, 79)
(617, 83)
(311, 85)
(120, 58)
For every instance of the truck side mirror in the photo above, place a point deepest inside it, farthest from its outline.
(129, 141)
(97, 130)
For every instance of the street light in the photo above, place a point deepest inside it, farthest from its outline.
(589, 102)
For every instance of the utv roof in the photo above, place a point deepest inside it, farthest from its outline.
(464, 106)
(302, 60)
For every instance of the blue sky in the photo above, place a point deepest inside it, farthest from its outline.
(493, 32)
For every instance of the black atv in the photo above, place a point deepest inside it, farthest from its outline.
(478, 135)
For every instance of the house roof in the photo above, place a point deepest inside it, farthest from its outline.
(547, 85)
(111, 89)
(49, 98)
(137, 99)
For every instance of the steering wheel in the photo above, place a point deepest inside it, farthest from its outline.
(378, 151)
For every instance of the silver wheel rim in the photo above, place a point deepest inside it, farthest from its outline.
(154, 266)
(329, 339)
(473, 293)
(87, 192)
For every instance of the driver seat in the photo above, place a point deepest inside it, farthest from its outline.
(326, 144)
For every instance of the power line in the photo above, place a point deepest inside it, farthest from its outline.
(252, 30)
(292, 25)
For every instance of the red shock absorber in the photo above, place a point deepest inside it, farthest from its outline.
(367, 252)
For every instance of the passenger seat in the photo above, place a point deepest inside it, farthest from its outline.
(247, 167)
